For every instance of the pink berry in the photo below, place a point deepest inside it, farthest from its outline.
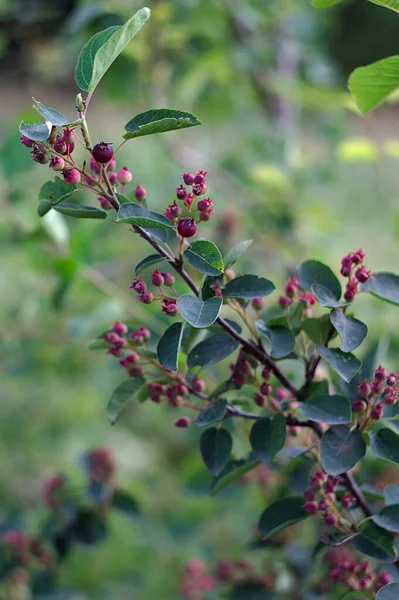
(168, 278)
(140, 193)
(257, 303)
(330, 520)
(71, 176)
(156, 278)
(120, 328)
(113, 179)
(291, 287)
(26, 141)
(358, 256)
(146, 297)
(259, 399)
(311, 507)
(57, 163)
(377, 412)
(170, 308)
(103, 152)
(363, 389)
(181, 192)
(199, 189)
(100, 465)
(138, 285)
(60, 145)
(188, 178)
(392, 379)
(359, 405)
(68, 136)
(94, 166)
(187, 227)
(266, 389)
(284, 301)
(39, 154)
(111, 166)
(124, 176)
(200, 177)
(198, 384)
(380, 373)
(363, 274)
(205, 216)
(172, 211)
(105, 204)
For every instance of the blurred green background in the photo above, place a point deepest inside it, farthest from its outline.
(290, 163)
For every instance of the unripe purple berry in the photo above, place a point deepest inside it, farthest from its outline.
(170, 308)
(330, 520)
(266, 389)
(103, 152)
(140, 193)
(71, 176)
(188, 178)
(68, 135)
(57, 163)
(156, 278)
(124, 176)
(392, 379)
(363, 389)
(94, 166)
(198, 384)
(181, 192)
(113, 179)
(380, 373)
(40, 154)
(146, 297)
(359, 405)
(257, 303)
(187, 227)
(60, 145)
(204, 216)
(259, 399)
(183, 422)
(168, 278)
(311, 507)
(377, 412)
(112, 164)
(104, 203)
(120, 328)
(199, 189)
(200, 177)
(138, 285)
(229, 274)
(26, 141)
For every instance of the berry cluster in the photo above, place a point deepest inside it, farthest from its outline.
(187, 225)
(196, 581)
(158, 279)
(372, 396)
(359, 576)
(321, 498)
(355, 271)
(125, 344)
(293, 292)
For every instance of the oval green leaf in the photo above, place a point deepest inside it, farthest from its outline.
(341, 449)
(80, 212)
(233, 471)
(37, 132)
(388, 518)
(159, 120)
(281, 338)
(213, 413)
(351, 331)
(343, 363)
(267, 437)
(205, 256)
(235, 253)
(248, 286)
(281, 514)
(103, 48)
(333, 410)
(314, 272)
(391, 4)
(148, 262)
(385, 286)
(385, 444)
(169, 347)
(391, 494)
(212, 350)
(372, 84)
(50, 114)
(326, 297)
(133, 214)
(388, 592)
(122, 395)
(125, 503)
(43, 207)
(198, 313)
(215, 448)
(374, 541)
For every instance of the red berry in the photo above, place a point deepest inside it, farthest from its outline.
(26, 141)
(120, 328)
(167, 278)
(68, 135)
(181, 192)
(266, 389)
(257, 303)
(259, 399)
(311, 507)
(71, 176)
(188, 178)
(187, 227)
(330, 520)
(183, 422)
(57, 163)
(140, 193)
(103, 152)
(60, 145)
(94, 166)
(377, 412)
(156, 278)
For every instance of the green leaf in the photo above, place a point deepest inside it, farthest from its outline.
(235, 253)
(281, 339)
(56, 190)
(390, 591)
(391, 494)
(199, 313)
(80, 212)
(50, 114)
(372, 84)
(351, 331)
(215, 448)
(248, 286)
(323, 408)
(249, 591)
(43, 207)
(169, 347)
(124, 393)
(385, 444)
(159, 120)
(233, 471)
(392, 4)
(98, 344)
(281, 514)
(325, 3)
(317, 329)
(294, 316)
(326, 297)
(148, 262)
(341, 449)
(388, 518)
(212, 350)
(125, 503)
(205, 257)
(374, 541)
(103, 48)
(213, 413)
(38, 132)
(140, 216)
(384, 285)
(343, 363)
(267, 437)
(313, 272)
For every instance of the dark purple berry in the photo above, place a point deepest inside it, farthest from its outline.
(187, 227)
(103, 152)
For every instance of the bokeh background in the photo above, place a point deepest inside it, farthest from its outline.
(291, 164)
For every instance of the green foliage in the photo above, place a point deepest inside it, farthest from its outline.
(205, 256)
(281, 514)
(314, 272)
(213, 413)
(248, 286)
(391, 494)
(390, 591)
(267, 437)
(79, 212)
(169, 347)
(372, 84)
(212, 350)
(351, 331)
(51, 115)
(147, 263)
(385, 444)
(323, 408)
(235, 253)
(136, 215)
(343, 363)
(388, 518)
(122, 395)
(231, 473)
(38, 132)
(198, 313)
(385, 286)
(281, 338)
(392, 4)
(215, 448)
(159, 120)
(103, 48)
(341, 449)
